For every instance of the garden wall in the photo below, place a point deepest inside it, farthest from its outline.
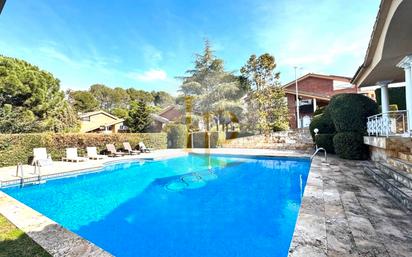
(201, 139)
(15, 148)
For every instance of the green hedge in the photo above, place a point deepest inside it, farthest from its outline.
(176, 136)
(349, 145)
(396, 96)
(324, 123)
(15, 148)
(349, 112)
(200, 139)
(325, 141)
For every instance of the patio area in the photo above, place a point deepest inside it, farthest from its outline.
(345, 213)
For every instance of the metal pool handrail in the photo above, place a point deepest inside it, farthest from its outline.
(318, 149)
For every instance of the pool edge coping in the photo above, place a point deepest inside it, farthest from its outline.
(51, 236)
(309, 235)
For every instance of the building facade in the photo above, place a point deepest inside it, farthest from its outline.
(99, 122)
(314, 91)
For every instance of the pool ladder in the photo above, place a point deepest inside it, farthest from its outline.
(20, 168)
(318, 149)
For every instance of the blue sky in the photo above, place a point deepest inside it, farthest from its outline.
(145, 44)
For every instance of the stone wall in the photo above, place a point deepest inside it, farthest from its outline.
(298, 139)
(383, 148)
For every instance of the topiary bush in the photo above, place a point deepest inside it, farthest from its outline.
(324, 123)
(15, 148)
(349, 112)
(177, 135)
(349, 145)
(325, 141)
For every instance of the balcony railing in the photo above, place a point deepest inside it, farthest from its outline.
(387, 124)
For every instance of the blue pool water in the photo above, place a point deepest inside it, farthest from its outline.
(197, 205)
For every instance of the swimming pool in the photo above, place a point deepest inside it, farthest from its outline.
(196, 205)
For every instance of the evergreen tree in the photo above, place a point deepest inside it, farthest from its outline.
(83, 101)
(266, 105)
(32, 99)
(139, 119)
(212, 90)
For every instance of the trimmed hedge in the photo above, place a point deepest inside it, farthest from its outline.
(324, 123)
(396, 96)
(15, 148)
(325, 141)
(349, 145)
(176, 135)
(200, 139)
(349, 112)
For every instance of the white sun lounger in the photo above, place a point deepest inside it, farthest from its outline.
(128, 148)
(72, 156)
(143, 148)
(92, 154)
(112, 150)
(41, 158)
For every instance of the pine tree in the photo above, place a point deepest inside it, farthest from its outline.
(139, 119)
(266, 106)
(214, 92)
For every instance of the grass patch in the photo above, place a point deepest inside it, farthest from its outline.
(15, 243)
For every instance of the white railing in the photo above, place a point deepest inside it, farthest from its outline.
(387, 124)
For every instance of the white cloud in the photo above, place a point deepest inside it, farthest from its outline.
(149, 75)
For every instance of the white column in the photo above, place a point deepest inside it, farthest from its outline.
(384, 95)
(406, 64)
(314, 104)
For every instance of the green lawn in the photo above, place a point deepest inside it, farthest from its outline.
(15, 243)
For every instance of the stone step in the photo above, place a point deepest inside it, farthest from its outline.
(402, 177)
(400, 164)
(406, 156)
(400, 192)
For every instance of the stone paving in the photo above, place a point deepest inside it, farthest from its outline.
(345, 213)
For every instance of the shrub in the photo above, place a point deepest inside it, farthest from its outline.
(349, 112)
(396, 96)
(201, 139)
(324, 123)
(177, 135)
(325, 141)
(15, 148)
(349, 145)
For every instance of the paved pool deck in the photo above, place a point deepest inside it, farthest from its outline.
(343, 213)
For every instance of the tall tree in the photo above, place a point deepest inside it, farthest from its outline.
(104, 95)
(83, 101)
(213, 90)
(139, 119)
(162, 98)
(140, 95)
(29, 94)
(266, 105)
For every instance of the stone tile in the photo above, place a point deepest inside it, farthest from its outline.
(361, 219)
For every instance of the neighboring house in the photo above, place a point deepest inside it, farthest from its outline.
(167, 115)
(314, 91)
(99, 122)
